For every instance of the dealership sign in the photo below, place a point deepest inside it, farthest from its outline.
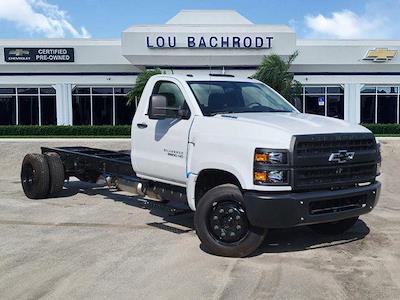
(48, 55)
(207, 42)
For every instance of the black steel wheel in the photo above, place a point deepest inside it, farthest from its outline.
(228, 222)
(222, 225)
(333, 228)
(35, 177)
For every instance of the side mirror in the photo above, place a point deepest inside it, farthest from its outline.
(158, 107)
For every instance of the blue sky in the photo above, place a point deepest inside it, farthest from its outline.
(107, 18)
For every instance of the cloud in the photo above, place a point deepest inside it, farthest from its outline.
(39, 16)
(377, 20)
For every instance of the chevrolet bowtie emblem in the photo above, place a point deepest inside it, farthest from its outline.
(19, 52)
(341, 156)
(380, 54)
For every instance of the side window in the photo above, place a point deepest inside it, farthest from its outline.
(175, 98)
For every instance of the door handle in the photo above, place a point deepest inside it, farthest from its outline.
(141, 125)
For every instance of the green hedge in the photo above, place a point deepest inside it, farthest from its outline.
(125, 130)
(383, 128)
(15, 131)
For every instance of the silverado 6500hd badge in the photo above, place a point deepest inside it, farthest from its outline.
(174, 153)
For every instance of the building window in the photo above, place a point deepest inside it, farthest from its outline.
(322, 100)
(102, 106)
(28, 106)
(48, 106)
(81, 110)
(7, 110)
(379, 104)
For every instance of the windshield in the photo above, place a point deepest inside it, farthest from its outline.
(219, 97)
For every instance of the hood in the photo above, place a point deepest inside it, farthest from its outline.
(268, 130)
(297, 123)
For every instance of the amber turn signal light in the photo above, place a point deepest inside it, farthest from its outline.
(260, 176)
(261, 157)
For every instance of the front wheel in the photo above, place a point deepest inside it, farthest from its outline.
(222, 225)
(333, 228)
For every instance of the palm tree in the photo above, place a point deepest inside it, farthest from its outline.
(274, 71)
(141, 81)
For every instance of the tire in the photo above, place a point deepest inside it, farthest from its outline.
(35, 177)
(218, 214)
(333, 228)
(57, 175)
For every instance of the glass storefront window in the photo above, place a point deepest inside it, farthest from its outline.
(387, 109)
(7, 91)
(103, 110)
(367, 109)
(335, 106)
(28, 106)
(102, 106)
(379, 104)
(47, 91)
(386, 89)
(48, 110)
(28, 110)
(315, 104)
(322, 100)
(81, 111)
(314, 90)
(27, 91)
(123, 113)
(368, 90)
(8, 110)
(335, 90)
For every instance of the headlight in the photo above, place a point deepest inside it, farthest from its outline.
(270, 157)
(271, 177)
(271, 167)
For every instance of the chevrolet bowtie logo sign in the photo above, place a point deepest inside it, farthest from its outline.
(19, 52)
(380, 54)
(341, 156)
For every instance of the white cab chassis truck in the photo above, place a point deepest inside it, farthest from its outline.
(242, 157)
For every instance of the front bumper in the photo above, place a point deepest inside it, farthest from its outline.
(282, 210)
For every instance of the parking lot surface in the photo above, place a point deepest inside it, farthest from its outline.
(92, 243)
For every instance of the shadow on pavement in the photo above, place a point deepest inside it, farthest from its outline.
(176, 213)
(303, 238)
(179, 220)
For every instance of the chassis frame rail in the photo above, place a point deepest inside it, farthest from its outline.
(85, 160)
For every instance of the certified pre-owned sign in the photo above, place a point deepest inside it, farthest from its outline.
(49, 55)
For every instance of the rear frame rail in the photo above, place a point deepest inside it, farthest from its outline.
(81, 160)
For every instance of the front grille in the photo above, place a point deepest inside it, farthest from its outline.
(334, 176)
(318, 147)
(313, 170)
(337, 205)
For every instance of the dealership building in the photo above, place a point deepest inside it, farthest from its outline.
(85, 81)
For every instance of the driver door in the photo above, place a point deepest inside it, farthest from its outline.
(160, 146)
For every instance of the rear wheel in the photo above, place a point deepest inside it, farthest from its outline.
(57, 174)
(333, 228)
(222, 225)
(35, 176)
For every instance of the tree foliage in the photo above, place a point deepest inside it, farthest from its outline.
(274, 71)
(141, 81)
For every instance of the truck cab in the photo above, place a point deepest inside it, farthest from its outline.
(287, 168)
